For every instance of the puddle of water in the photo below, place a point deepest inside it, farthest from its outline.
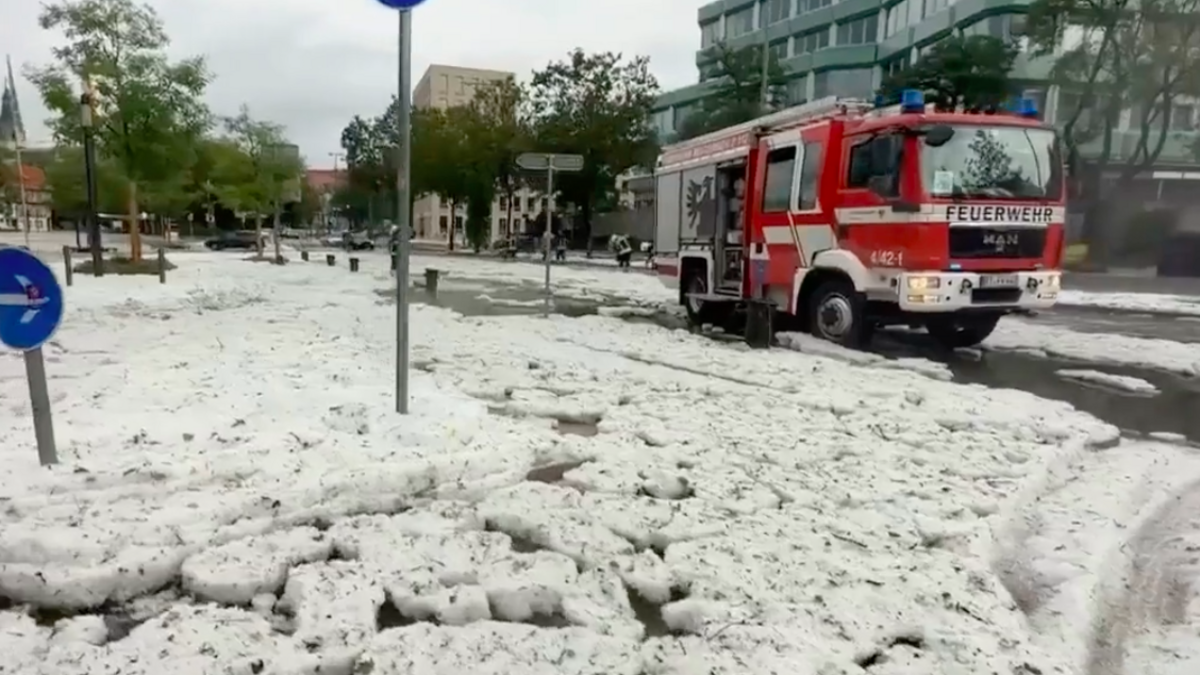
(648, 613)
(585, 429)
(1172, 410)
(552, 473)
(469, 303)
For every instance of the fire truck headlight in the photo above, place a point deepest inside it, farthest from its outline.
(1053, 282)
(923, 283)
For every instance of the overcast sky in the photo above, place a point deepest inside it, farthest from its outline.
(312, 64)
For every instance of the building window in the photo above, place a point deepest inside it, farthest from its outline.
(504, 203)
(710, 34)
(443, 222)
(779, 50)
(895, 66)
(853, 83)
(897, 19)
(812, 5)
(739, 23)
(807, 44)
(858, 32)
(778, 10)
(503, 224)
(1183, 118)
(458, 223)
(916, 11)
(810, 174)
(777, 192)
(797, 91)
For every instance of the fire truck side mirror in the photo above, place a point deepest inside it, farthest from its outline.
(939, 135)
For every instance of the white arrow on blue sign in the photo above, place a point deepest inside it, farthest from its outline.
(31, 300)
(400, 4)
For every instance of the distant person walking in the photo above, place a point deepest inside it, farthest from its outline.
(560, 249)
(394, 248)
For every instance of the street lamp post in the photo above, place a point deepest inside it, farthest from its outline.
(89, 164)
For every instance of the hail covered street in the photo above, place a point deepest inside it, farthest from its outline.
(598, 491)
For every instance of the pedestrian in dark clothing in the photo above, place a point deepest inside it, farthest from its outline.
(560, 249)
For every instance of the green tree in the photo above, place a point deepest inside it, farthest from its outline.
(255, 181)
(738, 95)
(597, 106)
(8, 176)
(501, 108)
(149, 110)
(1123, 56)
(66, 178)
(441, 158)
(968, 72)
(370, 165)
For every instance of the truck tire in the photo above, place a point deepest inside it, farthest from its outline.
(837, 313)
(700, 312)
(954, 333)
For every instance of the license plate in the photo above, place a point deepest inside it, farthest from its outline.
(999, 281)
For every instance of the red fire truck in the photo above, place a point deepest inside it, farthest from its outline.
(845, 216)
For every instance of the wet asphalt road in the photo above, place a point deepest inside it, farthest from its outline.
(1172, 410)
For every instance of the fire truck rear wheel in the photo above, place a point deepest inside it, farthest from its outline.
(836, 313)
(700, 312)
(964, 332)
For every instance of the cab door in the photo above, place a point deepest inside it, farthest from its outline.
(795, 221)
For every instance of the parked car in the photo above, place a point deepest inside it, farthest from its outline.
(243, 239)
(358, 241)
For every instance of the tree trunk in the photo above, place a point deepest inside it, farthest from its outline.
(585, 211)
(258, 243)
(135, 225)
(275, 236)
(453, 223)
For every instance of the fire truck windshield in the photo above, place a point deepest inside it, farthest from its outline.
(996, 162)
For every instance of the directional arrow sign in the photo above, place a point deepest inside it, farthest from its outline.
(31, 300)
(400, 4)
(541, 161)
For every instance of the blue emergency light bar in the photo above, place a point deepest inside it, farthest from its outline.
(912, 101)
(1027, 107)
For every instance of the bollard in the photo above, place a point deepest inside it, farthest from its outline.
(354, 264)
(162, 265)
(431, 281)
(304, 256)
(759, 320)
(330, 259)
(70, 275)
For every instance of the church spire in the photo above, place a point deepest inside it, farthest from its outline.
(12, 130)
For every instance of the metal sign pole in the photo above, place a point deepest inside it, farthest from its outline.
(39, 399)
(549, 233)
(403, 214)
(31, 308)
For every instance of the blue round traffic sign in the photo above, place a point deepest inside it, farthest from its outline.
(400, 4)
(31, 301)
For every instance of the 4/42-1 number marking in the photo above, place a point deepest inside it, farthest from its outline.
(887, 258)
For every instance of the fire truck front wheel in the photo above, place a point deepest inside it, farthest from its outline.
(837, 313)
(700, 312)
(953, 333)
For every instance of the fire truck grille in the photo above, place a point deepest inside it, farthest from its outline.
(997, 242)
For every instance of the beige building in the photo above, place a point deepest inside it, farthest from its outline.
(446, 87)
